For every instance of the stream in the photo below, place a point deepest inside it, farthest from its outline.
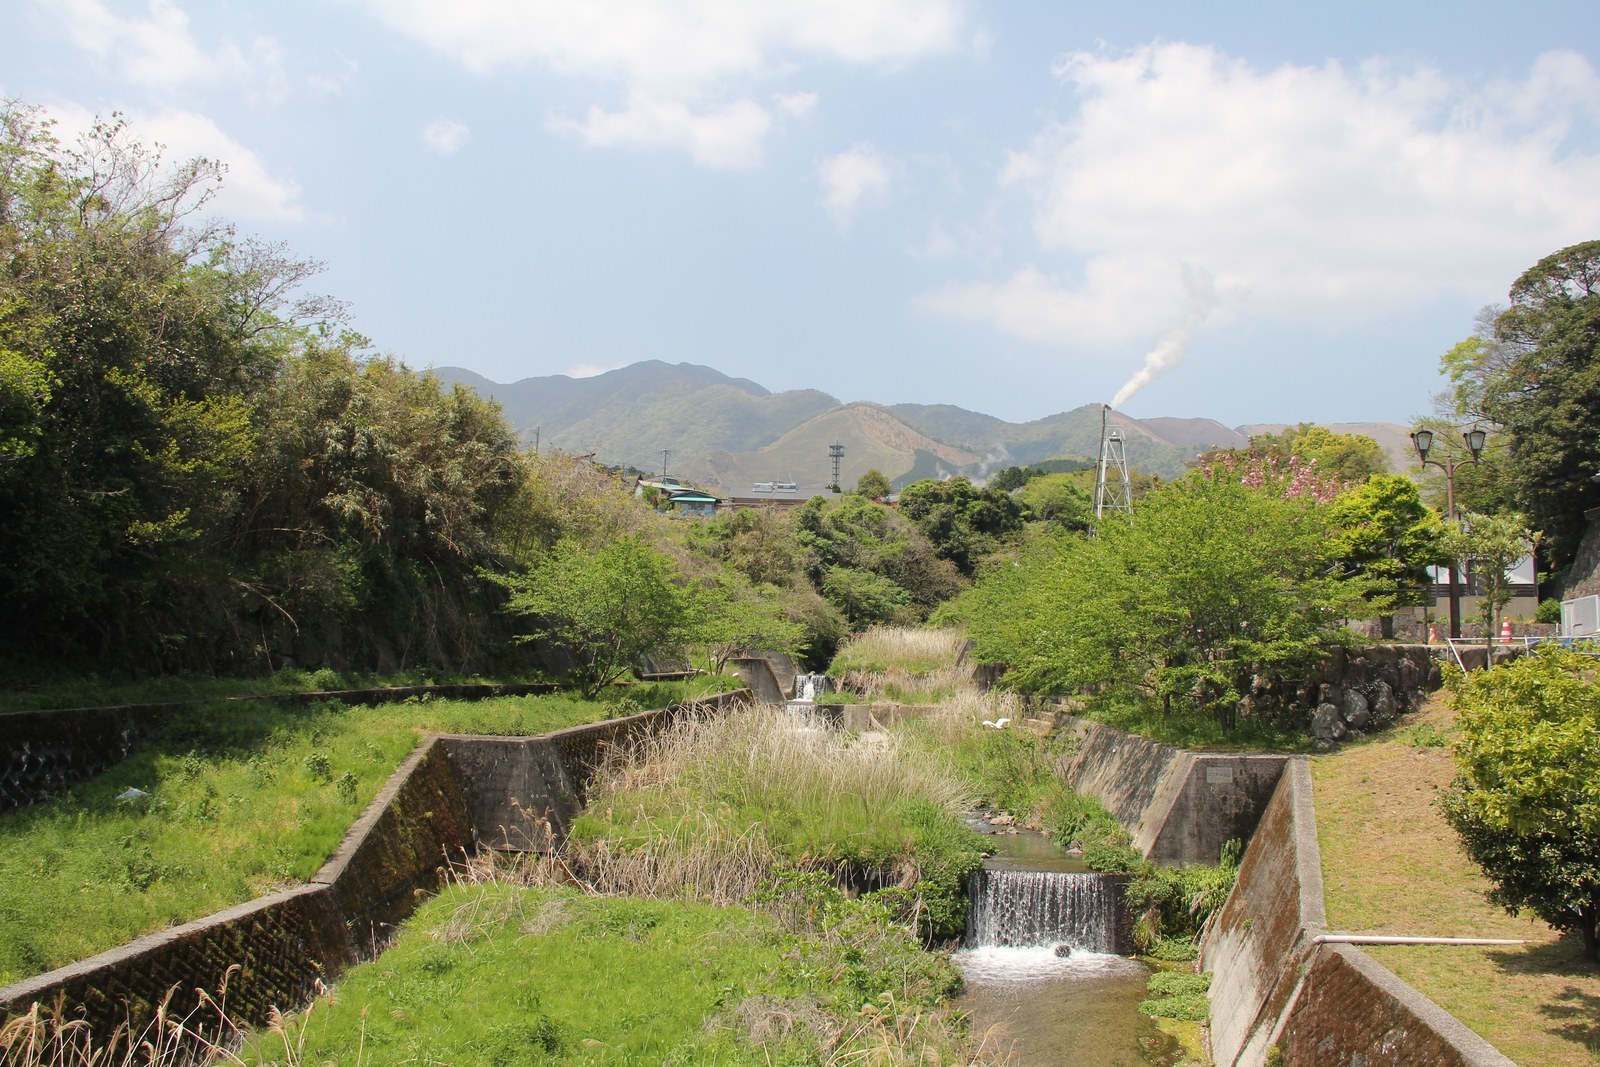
(1028, 1001)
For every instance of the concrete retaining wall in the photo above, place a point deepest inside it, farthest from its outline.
(1180, 806)
(44, 752)
(271, 952)
(1273, 986)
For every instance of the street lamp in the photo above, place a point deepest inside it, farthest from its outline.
(1423, 440)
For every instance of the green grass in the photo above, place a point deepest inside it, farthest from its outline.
(553, 976)
(813, 798)
(244, 797)
(1201, 733)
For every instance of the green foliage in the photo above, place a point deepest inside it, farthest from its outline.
(873, 484)
(735, 617)
(1548, 611)
(1059, 500)
(244, 797)
(1534, 370)
(870, 562)
(609, 607)
(1492, 544)
(1527, 800)
(1381, 532)
(1177, 996)
(738, 986)
(963, 522)
(1209, 585)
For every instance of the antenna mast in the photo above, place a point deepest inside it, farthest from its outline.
(1113, 460)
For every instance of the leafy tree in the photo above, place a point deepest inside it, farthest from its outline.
(963, 522)
(1540, 380)
(1492, 544)
(1305, 460)
(1526, 801)
(608, 607)
(1060, 500)
(736, 618)
(873, 485)
(1207, 586)
(1381, 532)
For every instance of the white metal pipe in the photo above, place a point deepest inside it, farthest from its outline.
(1385, 939)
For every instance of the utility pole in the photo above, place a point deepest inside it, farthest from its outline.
(665, 452)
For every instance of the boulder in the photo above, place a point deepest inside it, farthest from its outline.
(1326, 723)
(1357, 712)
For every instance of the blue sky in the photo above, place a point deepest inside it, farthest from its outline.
(1254, 214)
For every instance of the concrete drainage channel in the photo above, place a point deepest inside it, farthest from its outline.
(452, 795)
(1280, 983)
(1283, 988)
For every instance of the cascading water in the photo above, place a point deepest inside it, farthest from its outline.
(1022, 909)
(1030, 998)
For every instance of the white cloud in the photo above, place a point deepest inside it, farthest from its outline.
(158, 50)
(444, 137)
(1318, 194)
(797, 105)
(727, 137)
(249, 190)
(850, 178)
(687, 68)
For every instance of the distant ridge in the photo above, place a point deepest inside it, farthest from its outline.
(725, 434)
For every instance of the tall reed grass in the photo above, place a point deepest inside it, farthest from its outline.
(903, 664)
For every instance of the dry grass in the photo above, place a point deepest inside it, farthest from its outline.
(911, 666)
(1392, 865)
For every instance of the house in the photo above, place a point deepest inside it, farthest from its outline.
(676, 498)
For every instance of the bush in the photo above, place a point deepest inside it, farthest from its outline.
(1549, 610)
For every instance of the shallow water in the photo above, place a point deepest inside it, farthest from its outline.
(1081, 1010)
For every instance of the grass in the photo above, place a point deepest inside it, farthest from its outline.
(902, 649)
(1198, 733)
(1392, 865)
(870, 810)
(677, 983)
(242, 798)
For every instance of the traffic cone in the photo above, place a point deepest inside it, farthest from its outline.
(1433, 638)
(1505, 631)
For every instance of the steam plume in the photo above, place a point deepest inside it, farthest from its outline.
(1200, 301)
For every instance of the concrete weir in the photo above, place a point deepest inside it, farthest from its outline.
(452, 795)
(1273, 986)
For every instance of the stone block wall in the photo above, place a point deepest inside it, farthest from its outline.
(272, 952)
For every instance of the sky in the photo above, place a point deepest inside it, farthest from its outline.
(1242, 211)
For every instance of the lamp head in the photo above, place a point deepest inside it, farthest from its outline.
(1474, 438)
(1423, 440)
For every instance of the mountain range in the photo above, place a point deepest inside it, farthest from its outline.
(725, 434)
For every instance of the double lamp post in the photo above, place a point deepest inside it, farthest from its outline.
(1423, 440)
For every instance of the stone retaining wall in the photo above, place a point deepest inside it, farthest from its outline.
(271, 952)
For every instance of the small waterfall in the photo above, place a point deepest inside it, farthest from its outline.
(1017, 908)
(807, 687)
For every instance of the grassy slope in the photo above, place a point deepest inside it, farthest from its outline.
(244, 798)
(1391, 865)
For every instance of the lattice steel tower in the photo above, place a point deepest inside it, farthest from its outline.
(835, 453)
(1112, 491)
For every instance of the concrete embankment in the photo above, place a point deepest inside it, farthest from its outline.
(453, 795)
(1273, 986)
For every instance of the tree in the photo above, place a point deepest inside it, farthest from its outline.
(1492, 544)
(736, 617)
(963, 522)
(1208, 586)
(1305, 460)
(873, 485)
(1381, 532)
(608, 607)
(1545, 390)
(1526, 800)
